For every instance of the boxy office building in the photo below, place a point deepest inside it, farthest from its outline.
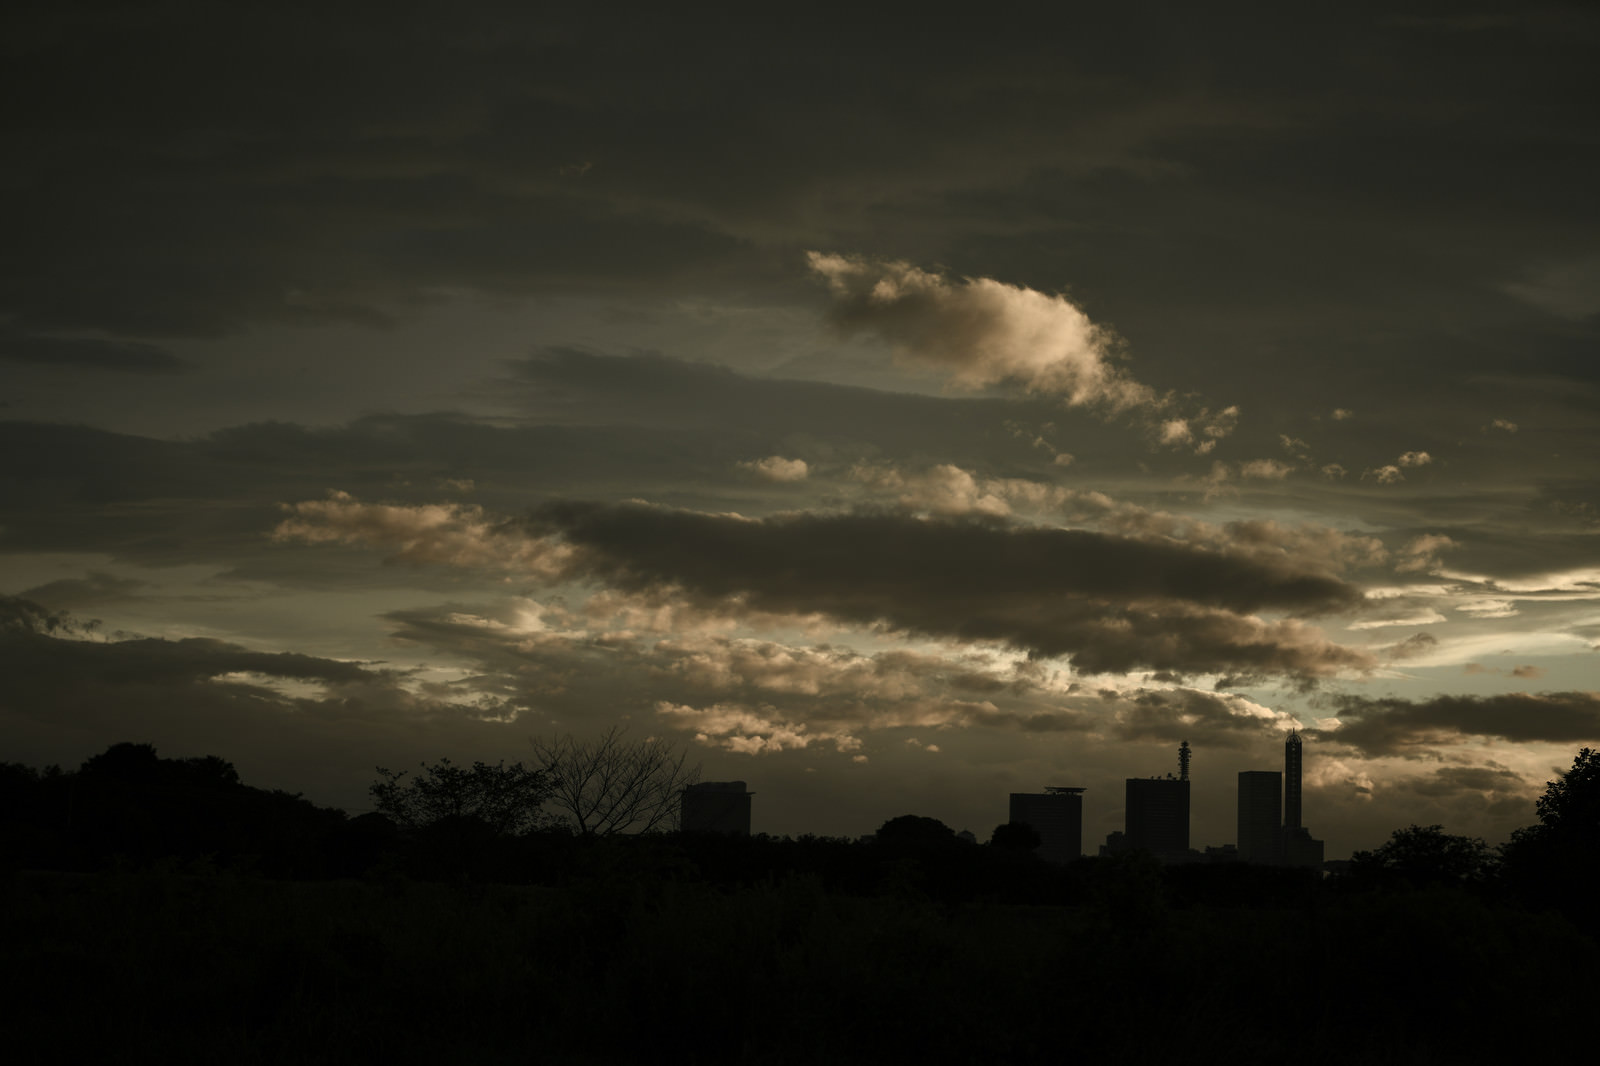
(715, 807)
(1056, 814)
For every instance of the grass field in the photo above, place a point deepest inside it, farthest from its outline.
(181, 966)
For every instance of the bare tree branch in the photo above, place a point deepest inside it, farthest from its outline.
(611, 785)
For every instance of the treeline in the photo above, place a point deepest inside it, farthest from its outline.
(194, 918)
(129, 807)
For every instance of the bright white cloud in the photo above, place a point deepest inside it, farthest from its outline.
(777, 468)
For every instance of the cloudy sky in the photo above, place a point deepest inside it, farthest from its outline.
(897, 412)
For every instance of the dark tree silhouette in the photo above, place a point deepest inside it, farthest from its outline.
(913, 832)
(1556, 862)
(1015, 836)
(1425, 854)
(611, 785)
(507, 799)
(1570, 806)
(128, 761)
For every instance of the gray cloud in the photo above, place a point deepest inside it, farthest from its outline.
(84, 353)
(1210, 720)
(1419, 728)
(1454, 780)
(94, 588)
(1113, 603)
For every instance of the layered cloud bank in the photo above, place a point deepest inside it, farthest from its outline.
(1112, 603)
(1420, 728)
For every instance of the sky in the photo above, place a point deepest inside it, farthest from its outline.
(897, 412)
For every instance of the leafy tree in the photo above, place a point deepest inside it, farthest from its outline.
(130, 762)
(611, 784)
(126, 760)
(508, 799)
(1426, 854)
(1557, 862)
(1570, 806)
(1015, 836)
(914, 832)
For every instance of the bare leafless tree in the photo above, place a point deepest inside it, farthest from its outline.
(610, 784)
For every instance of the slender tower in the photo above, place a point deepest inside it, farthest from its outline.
(1291, 782)
(1183, 761)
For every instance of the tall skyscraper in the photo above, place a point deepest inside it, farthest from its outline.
(1156, 813)
(1056, 814)
(1299, 848)
(715, 807)
(1260, 832)
(1291, 781)
(1158, 816)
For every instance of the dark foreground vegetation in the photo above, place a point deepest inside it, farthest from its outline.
(177, 915)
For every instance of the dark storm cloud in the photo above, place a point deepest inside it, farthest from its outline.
(596, 425)
(728, 411)
(1115, 604)
(94, 588)
(19, 615)
(30, 656)
(787, 555)
(1417, 728)
(178, 168)
(1453, 780)
(81, 353)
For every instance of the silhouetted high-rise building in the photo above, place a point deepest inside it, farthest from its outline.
(1299, 848)
(1156, 812)
(1291, 781)
(1056, 814)
(1260, 832)
(1262, 837)
(1157, 816)
(715, 807)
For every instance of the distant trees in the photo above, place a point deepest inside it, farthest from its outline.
(1015, 836)
(139, 762)
(506, 799)
(1426, 854)
(127, 804)
(611, 784)
(913, 832)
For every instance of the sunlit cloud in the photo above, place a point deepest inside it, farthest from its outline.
(980, 331)
(777, 468)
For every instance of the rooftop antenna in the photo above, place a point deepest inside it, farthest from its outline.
(1183, 761)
